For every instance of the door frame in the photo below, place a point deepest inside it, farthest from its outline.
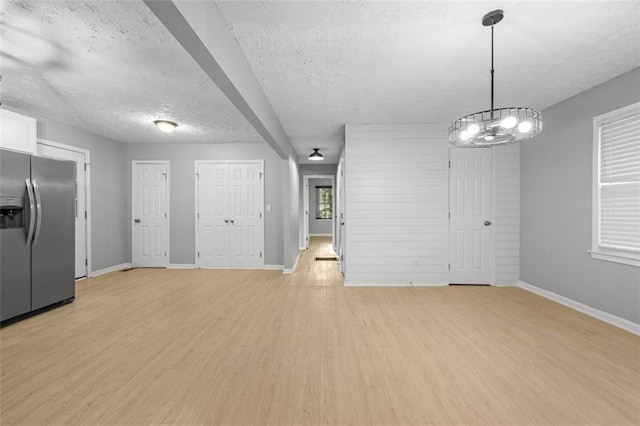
(305, 194)
(87, 195)
(167, 231)
(197, 202)
(492, 188)
(340, 197)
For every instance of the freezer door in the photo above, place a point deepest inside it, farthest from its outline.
(15, 253)
(53, 251)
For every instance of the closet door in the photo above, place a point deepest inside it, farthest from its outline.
(212, 218)
(229, 216)
(245, 228)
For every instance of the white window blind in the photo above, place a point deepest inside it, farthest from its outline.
(619, 182)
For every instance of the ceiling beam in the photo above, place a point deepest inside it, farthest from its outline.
(201, 30)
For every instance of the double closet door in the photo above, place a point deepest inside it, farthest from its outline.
(229, 218)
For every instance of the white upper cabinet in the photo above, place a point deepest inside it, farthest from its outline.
(17, 132)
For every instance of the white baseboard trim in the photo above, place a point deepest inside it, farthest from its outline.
(390, 284)
(181, 266)
(320, 235)
(302, 248)
(114, 268)
(506, 284)
(273, 267)
(293, 269)
(622, 323)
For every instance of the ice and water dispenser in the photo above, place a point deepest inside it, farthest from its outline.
(11, 212)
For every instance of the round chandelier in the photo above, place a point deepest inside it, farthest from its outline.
(496, 126)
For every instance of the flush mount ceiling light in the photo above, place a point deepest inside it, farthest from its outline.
(495, 126)
(166, 126)
(315, 155)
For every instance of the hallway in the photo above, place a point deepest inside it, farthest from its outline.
(312, 272)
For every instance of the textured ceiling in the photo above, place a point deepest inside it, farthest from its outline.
(110, 67)
(324, 64)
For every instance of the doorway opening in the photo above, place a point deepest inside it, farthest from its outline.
(319, 207)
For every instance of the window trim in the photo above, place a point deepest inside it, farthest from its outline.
(597, 252)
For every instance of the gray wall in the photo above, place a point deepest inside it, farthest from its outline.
(107, 188)
(556, 197)
(111, 192)
(317, 226)
(182, 192)
(291, 210)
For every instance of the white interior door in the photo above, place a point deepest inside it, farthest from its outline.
(229, 225)
(470, 204)
(212, 218)
(245, 215)
(81, 207)
(150, 214)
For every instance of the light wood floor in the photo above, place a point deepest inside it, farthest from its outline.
(258, 347)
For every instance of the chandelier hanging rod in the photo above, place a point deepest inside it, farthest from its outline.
(492, 72)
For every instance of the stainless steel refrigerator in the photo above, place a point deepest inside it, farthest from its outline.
(37, 234)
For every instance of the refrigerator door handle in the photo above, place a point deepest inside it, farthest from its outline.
(39, 211)
(32, 212)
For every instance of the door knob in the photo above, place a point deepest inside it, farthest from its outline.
(137, 221)
(487, 223)
(231, 220)
(226, 221)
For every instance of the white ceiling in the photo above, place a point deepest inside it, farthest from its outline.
(111, 67)
(324, 64)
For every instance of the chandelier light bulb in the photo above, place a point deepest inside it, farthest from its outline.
(465, 136)
(509, 122)
(489, 138)
(473, 129)
(524, 127)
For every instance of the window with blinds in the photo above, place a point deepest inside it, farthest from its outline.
(617, 195)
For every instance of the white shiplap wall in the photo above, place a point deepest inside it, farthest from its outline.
(507, 214)
(397, 185)
(396, 204)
